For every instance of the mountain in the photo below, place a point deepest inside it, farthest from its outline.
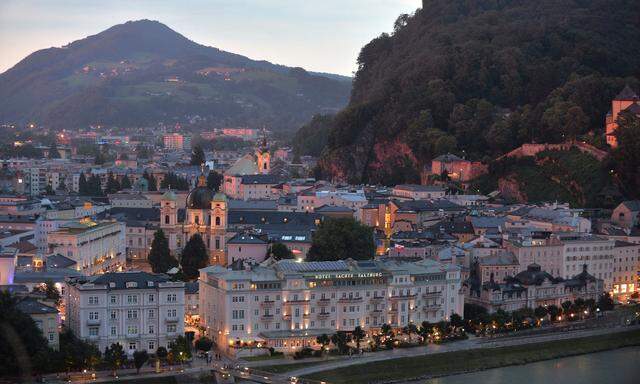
(480, 78)
(142, 72)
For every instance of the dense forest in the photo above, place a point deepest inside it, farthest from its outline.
(479, 78)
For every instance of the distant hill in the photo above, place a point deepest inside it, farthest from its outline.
(142, 73)
(480, 78)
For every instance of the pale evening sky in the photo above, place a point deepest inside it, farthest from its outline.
(319, 35)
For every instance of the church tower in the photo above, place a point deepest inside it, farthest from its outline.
(263, 158)
(218, 229)
(169, 217)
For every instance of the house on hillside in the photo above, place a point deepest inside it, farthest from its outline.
(626, 100)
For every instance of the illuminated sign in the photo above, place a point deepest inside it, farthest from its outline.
(347, 275)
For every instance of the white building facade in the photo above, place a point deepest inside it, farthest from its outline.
(287, 304)
(139, 310)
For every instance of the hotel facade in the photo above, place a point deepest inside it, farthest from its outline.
(287, 304)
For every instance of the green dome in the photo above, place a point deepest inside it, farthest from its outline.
(219, 196)
(169, 195)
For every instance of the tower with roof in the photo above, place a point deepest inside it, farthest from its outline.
(263, 157)
(626, 100)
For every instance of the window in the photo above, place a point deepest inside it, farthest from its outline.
(132, 299)
(113, 331)
(152, 329)
(94, 316)
(113, 299)
(132, 314)
(132, 346)
(152, 345)
(152, 313)
(172, 298)
(171, 328)
(51, 336)
(166, 219)
(217, 242)
(152, 298)
(132, 329)
(93, 300)
(171, 313)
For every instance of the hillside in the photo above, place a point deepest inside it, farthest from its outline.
(480, 78)
(142, 73)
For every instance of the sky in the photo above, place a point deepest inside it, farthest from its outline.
(318, 35)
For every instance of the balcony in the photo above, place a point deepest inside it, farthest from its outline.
(431, 295)
(350, 300)
(171, 319)
(402, 297)
(93, 321)
(299, 301)
(376, 311)
(431, 307)
(376, 300)
(323, 315)
(324, 302)
(134, 335)
(267, 304)
(286, 317)
(393, 311)
(266, 317)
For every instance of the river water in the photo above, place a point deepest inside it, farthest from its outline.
(620, 366)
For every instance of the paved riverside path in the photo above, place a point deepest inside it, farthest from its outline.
(472, 343)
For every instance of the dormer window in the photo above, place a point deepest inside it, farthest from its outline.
(131, 284)
(112, 285)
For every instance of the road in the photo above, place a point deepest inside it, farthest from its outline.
(471, 343)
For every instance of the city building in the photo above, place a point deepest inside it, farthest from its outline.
(139, 310)
(626, 267)
(626, 214)
(173, 141)
(626, 100)
(531, 288)
(94, 246)
(419, 192)
(45, 317)
(287, 304)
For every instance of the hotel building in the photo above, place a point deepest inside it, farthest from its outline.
(139, 310)
(287, 304)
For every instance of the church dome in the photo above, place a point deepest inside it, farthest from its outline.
(201, 196)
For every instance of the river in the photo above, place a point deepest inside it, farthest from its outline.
(620, 366)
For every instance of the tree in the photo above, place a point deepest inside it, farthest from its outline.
(62, 186)
(214, 180)
(20, 340)
(51, 292)
(161, 353)
(341, 238)
(341, 340)
(358, 334)
(126, 182)
(83, 187)
(605, 302)
(180, 349)
(113, 185)
(115, 357)
(279, 251)
(49, 190)
(159, 256)
(324, 341)
(204, 344)
(139, 358)
(425, 330)
(194, 257)
(151, 180)
(627, 154)
(409, 330)
(456, 321)
(553, 312)
(77, 354)
(197, 156)
(540, 312)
